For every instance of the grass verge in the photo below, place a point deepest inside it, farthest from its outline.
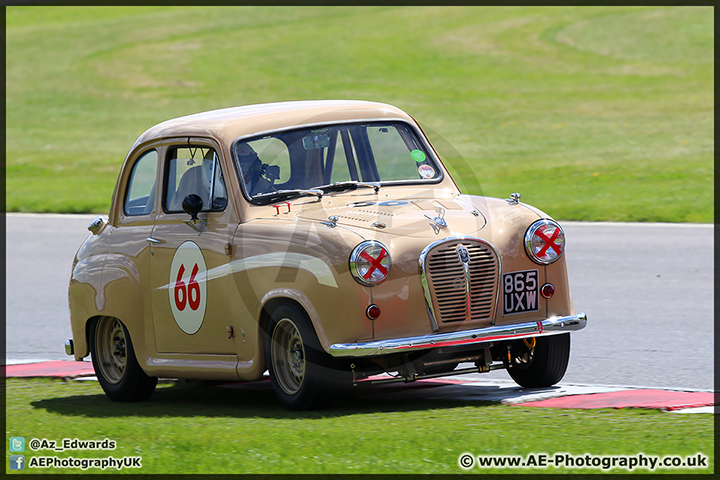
(592, 113)
(192, 428)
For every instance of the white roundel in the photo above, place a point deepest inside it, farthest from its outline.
(187, 287)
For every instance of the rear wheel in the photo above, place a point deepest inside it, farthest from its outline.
(297, 363)
(115, 365)
(548, 365)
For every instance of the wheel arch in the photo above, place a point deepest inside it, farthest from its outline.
(279, 296)
(115, 292)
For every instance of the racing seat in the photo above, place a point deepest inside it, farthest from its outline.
(190, 182)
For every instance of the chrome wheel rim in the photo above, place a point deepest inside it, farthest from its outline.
(288, 356)
(111, 349)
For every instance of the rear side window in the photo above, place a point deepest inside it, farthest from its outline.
(140, 196)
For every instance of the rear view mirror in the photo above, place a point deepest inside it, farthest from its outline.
(312, 142)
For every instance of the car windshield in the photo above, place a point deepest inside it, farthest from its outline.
(332, 158)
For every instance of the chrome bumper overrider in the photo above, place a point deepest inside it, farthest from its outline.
(69, 347)
(550, 326)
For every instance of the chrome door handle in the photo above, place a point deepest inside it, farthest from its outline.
(153, 240)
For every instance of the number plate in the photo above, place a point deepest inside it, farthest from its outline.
(520, 292)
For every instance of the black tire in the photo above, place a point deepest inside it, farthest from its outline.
(116, 367)
(549, 363)
(298, 366)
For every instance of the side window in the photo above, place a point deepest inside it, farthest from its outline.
(140, 195)
(194, 170)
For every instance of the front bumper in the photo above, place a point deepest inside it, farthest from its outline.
(550, 326)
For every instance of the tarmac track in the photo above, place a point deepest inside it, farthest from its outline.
(647, 289)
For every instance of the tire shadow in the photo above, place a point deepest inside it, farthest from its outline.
(257, 399)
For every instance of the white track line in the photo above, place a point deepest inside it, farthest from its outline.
(695, 410)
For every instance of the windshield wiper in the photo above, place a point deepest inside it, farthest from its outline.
(269, 197)
(350, 184)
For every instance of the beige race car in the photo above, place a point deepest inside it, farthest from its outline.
(322, 241)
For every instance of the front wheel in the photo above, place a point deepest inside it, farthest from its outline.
(295, 359)
(548, 365)
(116, 367)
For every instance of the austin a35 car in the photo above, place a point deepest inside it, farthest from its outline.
(323, 242)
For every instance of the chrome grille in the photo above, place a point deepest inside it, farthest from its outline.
(458, 291)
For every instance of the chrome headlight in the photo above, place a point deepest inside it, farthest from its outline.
(370, 263)
(544, 242)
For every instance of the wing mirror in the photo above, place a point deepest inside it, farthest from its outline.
(192, 205)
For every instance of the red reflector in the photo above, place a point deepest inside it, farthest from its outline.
(373, 312)
(547, 290)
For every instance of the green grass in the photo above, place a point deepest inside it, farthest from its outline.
(592, 113)
(190, 428)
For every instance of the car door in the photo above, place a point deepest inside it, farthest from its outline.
(191, 293)
(128, 253)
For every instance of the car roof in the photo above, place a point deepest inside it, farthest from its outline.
(228, 124)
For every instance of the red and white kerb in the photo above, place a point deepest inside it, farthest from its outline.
(544, 242)
(370, 262)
